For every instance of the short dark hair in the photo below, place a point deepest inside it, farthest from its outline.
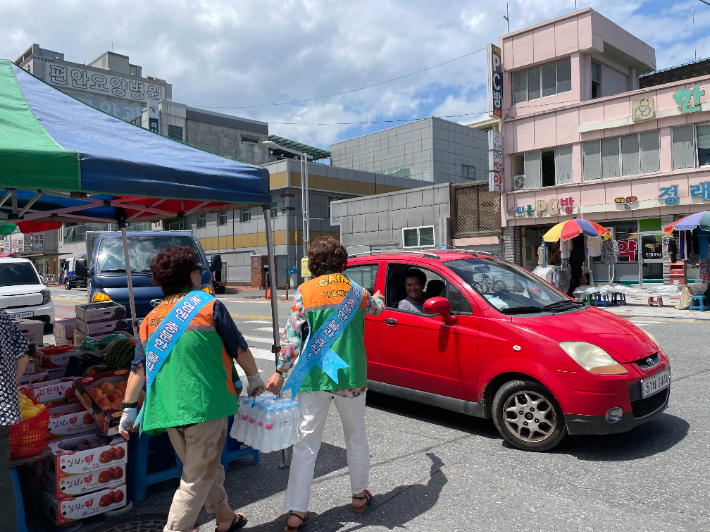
(415, 272)
(172, 267)
(327, 254)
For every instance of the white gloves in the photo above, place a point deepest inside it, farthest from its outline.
(127, 419)
(255, 382)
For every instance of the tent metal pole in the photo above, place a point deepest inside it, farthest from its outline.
(129, 278)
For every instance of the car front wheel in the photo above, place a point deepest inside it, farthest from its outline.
(527, 415)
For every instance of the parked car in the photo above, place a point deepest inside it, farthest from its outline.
(22, 294)
(71, 279)
(495, 341)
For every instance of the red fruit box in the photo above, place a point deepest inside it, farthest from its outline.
(68, 510)
(70, 419)
(102, 396)
(63, 486)
(34, 379)
(54, 391)
(73, 456)
(57, 356)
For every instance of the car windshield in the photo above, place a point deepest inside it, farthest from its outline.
(508, 288)
(16, 273)
(141, 250)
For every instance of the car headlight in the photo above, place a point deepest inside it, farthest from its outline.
(653, 339)
(46, 296)
(593, 358)
(100, 296)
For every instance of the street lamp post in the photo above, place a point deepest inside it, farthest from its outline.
(305, 197)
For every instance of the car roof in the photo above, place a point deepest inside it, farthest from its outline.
(7, 260)
(441, 255)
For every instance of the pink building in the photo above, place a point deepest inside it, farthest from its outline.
(591, 131)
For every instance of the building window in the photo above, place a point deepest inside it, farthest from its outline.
(543, 80)
(621, 156)
(330, 200)
(469, 172)
(222, 218)
(274, 205)
(418, 237)
(251, 140)
(542, 168)
(175, 132)
(245, 215)
(704, 145)
(547, 166)
(683, 147)
(596, 80)
(201, 221)
(399, 172)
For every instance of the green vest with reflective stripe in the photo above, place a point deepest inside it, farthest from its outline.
(196, 382)
(320, 298)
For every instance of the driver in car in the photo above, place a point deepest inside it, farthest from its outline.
(414, 281)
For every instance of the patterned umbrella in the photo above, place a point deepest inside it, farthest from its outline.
(699, 219)
(7, 229)
(572, 228)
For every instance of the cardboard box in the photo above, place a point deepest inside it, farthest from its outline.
(68, 419)
(34, 378)
(101, 328)
(108, 416)
(92, 312)
(31, 367)
(79, 337)
(107, 451)
(73, 509)
(65, 328)
(32, 330)
(54, 391)
(57, 356)
(64, 486)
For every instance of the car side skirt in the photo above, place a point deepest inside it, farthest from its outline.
(469, 408)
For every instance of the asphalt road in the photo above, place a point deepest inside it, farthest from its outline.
(439, 471)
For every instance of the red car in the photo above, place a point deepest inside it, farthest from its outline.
(493, 340)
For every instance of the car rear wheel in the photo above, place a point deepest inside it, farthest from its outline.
(527, 415)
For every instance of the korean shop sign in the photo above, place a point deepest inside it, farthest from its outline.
(495, 81)
(629, 202)
(669, 195)
(545, 208)
(642, 110)
(689, 99)
(496, 182)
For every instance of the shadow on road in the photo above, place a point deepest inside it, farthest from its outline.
(393, 509)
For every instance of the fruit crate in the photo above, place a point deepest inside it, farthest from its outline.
(102, 395)
(70, 419)
(75, 508)
(72, 456)
(62, 485)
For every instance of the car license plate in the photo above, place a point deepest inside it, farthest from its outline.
(23, 314)
(656, 383)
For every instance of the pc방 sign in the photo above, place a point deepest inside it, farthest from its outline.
(495, 81)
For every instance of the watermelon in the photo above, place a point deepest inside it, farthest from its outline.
(106, 340)
(121, 353)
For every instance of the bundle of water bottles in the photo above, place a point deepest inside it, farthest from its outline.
(267, 423)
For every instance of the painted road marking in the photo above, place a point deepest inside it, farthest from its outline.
(249, 316)
(266, 329)
(259, 339)
(263, 354)
(68, 299)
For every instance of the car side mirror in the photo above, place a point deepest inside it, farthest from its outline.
(440, 305)
(80, 268)
(216, 264)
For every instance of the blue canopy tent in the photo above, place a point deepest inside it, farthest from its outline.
(62, 160)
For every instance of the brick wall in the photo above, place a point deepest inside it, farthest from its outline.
(257, 270)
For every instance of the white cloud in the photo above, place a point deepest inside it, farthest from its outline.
(231, 53)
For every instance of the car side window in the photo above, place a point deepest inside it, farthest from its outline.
(364, 274)
(435, 286)
(459, 303)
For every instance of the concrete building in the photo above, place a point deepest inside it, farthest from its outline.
(431, 150)
(110, 82)
(583, 140)
(238, 236)
(226, 135)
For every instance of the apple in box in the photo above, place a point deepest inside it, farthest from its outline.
(75, 508)
(63, 486)
(90, 452)
(102, 395)
(54, 391)
(70, 419)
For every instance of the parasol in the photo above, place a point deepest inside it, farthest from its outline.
(571, 228)
(687, 223)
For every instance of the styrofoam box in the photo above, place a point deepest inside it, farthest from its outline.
(63, 486)
(91, 312)
(70, 419)
(98, 328)
(73, 462)
(68, 510)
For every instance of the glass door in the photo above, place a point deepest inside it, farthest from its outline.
(651, 258)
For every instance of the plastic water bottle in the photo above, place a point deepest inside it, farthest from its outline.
(278, 428)
(288, 423)
(251, 429)
(269, 430)
(242, 418)
(296, 417)
(238, 387)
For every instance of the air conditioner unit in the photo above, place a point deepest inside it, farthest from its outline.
(518, 182)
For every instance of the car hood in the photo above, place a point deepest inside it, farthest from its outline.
(20, 289)
(623, 340)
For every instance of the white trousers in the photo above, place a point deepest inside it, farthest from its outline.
(314, 412)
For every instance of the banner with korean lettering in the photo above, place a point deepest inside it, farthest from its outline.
(495, 81)
(318, 348)
(161, 343)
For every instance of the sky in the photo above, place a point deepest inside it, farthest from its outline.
(250, 58)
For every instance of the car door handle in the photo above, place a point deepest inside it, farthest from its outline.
(390, 321)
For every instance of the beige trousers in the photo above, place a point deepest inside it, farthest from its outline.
(202, 483)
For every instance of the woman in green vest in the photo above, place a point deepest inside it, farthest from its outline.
(193, 393)
(314, 302)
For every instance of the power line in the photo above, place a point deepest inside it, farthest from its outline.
(344, 92)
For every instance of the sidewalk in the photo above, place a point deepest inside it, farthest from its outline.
(637, 307)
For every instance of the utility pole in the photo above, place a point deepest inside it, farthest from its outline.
(507, 15)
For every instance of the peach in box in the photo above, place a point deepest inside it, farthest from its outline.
(63, 486)
(70, 419)
(95, 394)
(68, 510)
